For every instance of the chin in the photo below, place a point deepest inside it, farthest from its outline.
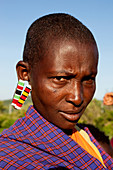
(68, 126)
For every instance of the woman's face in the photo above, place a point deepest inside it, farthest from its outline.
(63, 82)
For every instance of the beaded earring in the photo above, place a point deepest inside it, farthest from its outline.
(18, 92)
(20, 97)
(23, 97)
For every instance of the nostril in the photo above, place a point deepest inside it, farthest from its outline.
(75, 100)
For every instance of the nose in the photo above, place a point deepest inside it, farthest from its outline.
(75, 95)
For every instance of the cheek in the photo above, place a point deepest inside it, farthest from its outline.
(89, 93)
(46, 94)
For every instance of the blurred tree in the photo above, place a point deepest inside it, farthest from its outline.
(2, 107)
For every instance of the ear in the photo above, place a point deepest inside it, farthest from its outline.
(22, 69)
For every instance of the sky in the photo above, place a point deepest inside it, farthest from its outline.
(17, 15)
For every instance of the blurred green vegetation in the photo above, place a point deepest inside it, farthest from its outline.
(97, 114)
(100, 116)
(8, 115)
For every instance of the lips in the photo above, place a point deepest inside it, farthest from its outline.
(70, 115)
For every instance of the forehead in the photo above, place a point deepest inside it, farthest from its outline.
(63, 55)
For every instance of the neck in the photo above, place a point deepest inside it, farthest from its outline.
(68, 131)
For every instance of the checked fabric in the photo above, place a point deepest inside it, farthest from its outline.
(34, 143)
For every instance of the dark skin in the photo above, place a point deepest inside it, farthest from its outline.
(63, 82)
(107, 147)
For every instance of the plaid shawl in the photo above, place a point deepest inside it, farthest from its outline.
(34, 143)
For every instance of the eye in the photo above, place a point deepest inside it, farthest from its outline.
(61, 79)
(89, 80)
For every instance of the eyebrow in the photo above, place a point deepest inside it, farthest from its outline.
(67, 73)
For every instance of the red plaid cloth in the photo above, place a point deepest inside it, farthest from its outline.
(34, 143)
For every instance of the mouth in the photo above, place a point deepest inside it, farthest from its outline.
(71, 115)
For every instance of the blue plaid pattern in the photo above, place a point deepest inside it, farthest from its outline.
(34, 143)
